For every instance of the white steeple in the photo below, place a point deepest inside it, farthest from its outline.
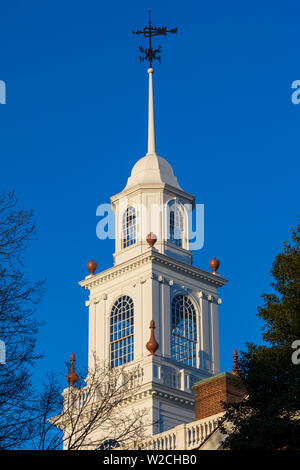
(151, 125)
(158, 285)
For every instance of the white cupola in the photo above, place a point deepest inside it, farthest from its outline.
(152, 169)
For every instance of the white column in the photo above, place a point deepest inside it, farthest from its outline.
(92, 331)
(105, 325)
(215, 336)
(138, 320)
(199, 358)
(157, 315)
(166, 318)
(100, 329)
(147, 310)
(206, 336)
(155, 415)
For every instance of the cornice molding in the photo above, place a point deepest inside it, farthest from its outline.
(175, 265)
(152, 256)
(151, 392)
(155, 187)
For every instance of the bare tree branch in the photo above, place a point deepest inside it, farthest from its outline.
(96, 413)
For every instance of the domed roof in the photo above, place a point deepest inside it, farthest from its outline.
(152, 169)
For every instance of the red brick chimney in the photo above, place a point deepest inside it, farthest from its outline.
(211, 392)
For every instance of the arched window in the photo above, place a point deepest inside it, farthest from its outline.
(184, 332)
(129, 227)
(121, 331)
(175, 223)
(109, 444)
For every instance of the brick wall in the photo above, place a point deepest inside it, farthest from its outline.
(210, 393)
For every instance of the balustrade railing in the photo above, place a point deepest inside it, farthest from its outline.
(183, 437)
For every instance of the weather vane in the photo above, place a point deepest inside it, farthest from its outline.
(149, 32)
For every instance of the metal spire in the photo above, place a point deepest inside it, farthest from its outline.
(150, 55)
(151, 126)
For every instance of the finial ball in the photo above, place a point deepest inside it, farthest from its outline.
(92, 266)
(151, 239)
(214, 265)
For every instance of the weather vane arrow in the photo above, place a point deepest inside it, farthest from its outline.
(150, 32)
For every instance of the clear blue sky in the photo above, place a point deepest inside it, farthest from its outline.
(75, 124)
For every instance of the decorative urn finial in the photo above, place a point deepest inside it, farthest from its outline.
(235, 370)
(214, 265)
(151, 239)
(72, 377)
(152, 344)
(92, 266)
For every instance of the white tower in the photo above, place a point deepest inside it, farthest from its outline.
(156, 283)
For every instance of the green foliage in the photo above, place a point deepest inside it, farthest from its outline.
(281, 312)
(269, 417)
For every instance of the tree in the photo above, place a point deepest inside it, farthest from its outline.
(92, 415)
(269, 417)
(18, 326)
(41, 434)
(25, 413)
